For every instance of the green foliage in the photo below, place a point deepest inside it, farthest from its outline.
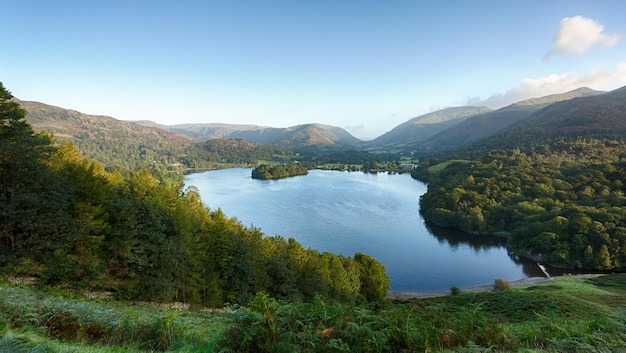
(66, 221)
(374, 280)
(145, 328)
(560, 315)
(35, 214)
(491, 321)
(454, 290)
(617, 281)
(562, 203)
(278, 171)
(241, 151)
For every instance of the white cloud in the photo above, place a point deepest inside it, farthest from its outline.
(577, 35)
(598, 79)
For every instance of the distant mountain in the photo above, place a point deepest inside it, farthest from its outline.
(296, 136)
(108, 140)
(425, 126)
(203, 132)
(597, 116)
(133, 145)
(301, 136)
(482, 126)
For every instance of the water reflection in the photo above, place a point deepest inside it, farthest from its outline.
(455, 238)
(480, 242)
(376, 214)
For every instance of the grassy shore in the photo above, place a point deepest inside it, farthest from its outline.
(563, 314)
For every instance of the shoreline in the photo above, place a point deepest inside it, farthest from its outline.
(474, 289)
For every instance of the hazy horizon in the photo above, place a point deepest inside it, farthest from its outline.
(363, 66)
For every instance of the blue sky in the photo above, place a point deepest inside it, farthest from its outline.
(366, 66)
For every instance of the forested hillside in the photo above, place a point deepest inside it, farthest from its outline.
(294, 136)
(482, 126)
(425, 126)
(66, 221)
(562, 203)
(596, 116)
(128, 147)
(233, 152)
(115, 143)
(555, 184)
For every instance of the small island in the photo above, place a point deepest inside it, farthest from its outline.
(278, 171)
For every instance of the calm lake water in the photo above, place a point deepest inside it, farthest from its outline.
(376, 214)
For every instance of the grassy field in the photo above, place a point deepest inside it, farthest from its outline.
(441, 166)
(35, 321)
(564, 314)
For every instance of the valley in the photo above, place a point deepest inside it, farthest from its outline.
(91, 203)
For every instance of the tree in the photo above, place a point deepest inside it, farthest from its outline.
(35, 217)
(374, 280)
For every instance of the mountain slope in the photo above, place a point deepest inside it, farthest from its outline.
(295, 136)
(597, 116)
(422, 127)
(108, 140)
(204, 132)
(481, 126)
(300, 135)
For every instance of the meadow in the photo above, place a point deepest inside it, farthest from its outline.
(565, 314)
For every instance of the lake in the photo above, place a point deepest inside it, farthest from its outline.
(375, 214)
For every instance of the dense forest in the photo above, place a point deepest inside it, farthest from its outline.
(234, 151)
(65, 220)
(278, 171)
(561, 203)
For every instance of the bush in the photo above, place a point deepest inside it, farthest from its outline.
(501, 285)
(454, 290)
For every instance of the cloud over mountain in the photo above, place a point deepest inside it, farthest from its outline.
(599, 79)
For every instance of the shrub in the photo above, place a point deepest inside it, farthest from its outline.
(501, 285)
(454, 290)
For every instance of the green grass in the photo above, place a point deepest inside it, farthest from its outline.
(561, 315)
(441, 166)
(339, 166)
(615, 282)
(113, 324)
(608, 290)
(29, 340)
(565, 314)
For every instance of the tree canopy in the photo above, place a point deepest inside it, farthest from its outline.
(66, 220)
(561, 203)
(278, 171)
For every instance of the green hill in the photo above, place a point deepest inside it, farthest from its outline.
(425, 126)
(295, 136)
(110, 141)
(554, 184)
(129, 146)
(482, 126)
(596, 116)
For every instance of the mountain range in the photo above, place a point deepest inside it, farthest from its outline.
(579, 111)
(295, 136)
(591, 116)
(482, 126)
